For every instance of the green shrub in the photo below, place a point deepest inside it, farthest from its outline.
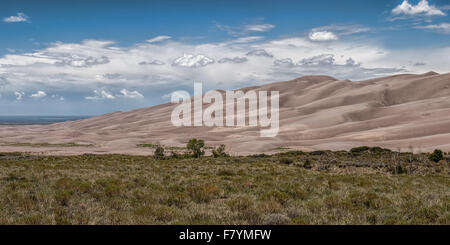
(286, 161)
(276, 219)
(317, 153)
(307, 164)
(275, 195)
(63, 197)
(219, 151)
(241, 204)
(399, 169)
(160, 213)
(174, 154)
(359, 149)
(159, 153)
(203, 193)
(226, 172)
(436, 156)
(196, 147)
(262, 155)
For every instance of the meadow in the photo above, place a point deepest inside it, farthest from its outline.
(362, 186)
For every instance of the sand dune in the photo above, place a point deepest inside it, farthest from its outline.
(316, 112)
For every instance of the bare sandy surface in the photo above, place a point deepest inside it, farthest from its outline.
(400, 112)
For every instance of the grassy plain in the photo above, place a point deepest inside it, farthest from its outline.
(366, 186)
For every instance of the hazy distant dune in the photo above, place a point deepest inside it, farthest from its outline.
(316, 112)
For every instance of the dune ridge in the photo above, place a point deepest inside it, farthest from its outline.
(399, 112)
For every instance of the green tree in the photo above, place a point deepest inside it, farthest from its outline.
(436, 156)
(159, 152)
(219, 151)
(195, 146)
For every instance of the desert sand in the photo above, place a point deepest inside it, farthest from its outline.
(401, 112)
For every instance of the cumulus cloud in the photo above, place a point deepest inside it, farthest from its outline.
(58, 97)
(192, 60)
(322, 36)
(131, 94)
(259, 52)
(327, 64)
(39, 94)
(177, 94)
(422, 8)
(19, 95)
(441, 28)
(287, 62)
(101, 95)
(20, 17)
(238, 65)
(153, 62)
(77, 61)
(319, 60)
(233, 60)
(333, 32)
(158, 39)
(352, 67)
(351, 62)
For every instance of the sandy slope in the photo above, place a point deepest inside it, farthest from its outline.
(316, 112)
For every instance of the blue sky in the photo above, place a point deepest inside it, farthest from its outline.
(93, 57)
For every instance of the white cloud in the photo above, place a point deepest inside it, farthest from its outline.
(238, 65)
(441, 28)
(243, 30)
(328, 64)
(319, 60)
(246, 39)
(153, 62)
(192, 60)
(101, 95)
(342, 30)
(287, 62)
(55, 96)
(19, 95)
(39, 94)
(158, 39)
(322, 36)
(177, 94)
(112, 76)
(131, 94)
(20, 17)
(259, 52)
(77, 61)
(235, 60)
(259, 27)
(422, 8)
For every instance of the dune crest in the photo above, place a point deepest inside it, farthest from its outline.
(316, 113)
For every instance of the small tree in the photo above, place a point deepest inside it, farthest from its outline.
(174, 154)
(195, 146)
(436, 156)
(159, 153)
(219, 151)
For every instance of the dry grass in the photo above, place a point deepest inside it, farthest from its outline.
(308, 188)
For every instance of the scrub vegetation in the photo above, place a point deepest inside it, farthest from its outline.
(362, 186)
